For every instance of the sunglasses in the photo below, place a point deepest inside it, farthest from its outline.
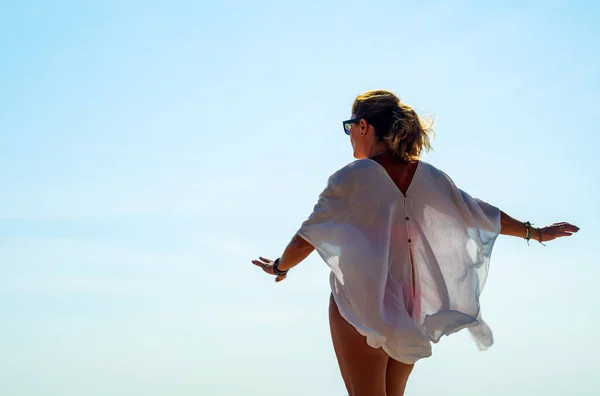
(348, 124)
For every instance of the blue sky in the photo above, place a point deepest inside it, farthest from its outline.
(150, 150)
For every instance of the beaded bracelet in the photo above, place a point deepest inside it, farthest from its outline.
(528, 227)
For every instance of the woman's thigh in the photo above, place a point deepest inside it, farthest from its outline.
(363, 368)
(396, 377)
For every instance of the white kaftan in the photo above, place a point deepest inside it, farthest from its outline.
(366, 231)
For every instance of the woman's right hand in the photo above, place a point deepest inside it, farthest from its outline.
(553, 231)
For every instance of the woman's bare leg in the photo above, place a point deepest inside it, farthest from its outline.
(363, 368)
(396, 377)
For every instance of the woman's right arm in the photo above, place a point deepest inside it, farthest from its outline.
(514, 227)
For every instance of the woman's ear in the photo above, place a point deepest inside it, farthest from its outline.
(364, 126)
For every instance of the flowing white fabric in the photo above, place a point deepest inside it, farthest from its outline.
(366, 230)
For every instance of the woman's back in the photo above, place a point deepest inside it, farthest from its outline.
(400, 172)
(407, 266)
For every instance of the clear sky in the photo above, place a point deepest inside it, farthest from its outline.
(149, 150)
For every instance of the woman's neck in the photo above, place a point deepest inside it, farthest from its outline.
(380, 149)
(386, 157)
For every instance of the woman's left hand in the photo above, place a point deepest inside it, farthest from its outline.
(556, 230)
(267, 266)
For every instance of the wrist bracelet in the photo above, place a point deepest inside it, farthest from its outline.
(540, 230)
(276, 270)
(528, 227)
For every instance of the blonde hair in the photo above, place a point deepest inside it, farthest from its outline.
(395, 122)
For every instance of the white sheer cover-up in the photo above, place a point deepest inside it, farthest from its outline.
(366, 230)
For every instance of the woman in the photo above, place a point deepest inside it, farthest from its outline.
(408, 250)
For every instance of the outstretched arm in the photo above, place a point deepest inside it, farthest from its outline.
(514, 227)
(296, 251)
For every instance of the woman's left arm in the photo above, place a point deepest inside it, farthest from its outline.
(296, 251)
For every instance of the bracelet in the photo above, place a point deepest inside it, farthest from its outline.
(529, 228)
(540, 230)
(276, 270)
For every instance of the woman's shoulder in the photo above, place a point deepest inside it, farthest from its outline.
(434, 177)
(429, 170)
(347, 176)
(355, 169)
